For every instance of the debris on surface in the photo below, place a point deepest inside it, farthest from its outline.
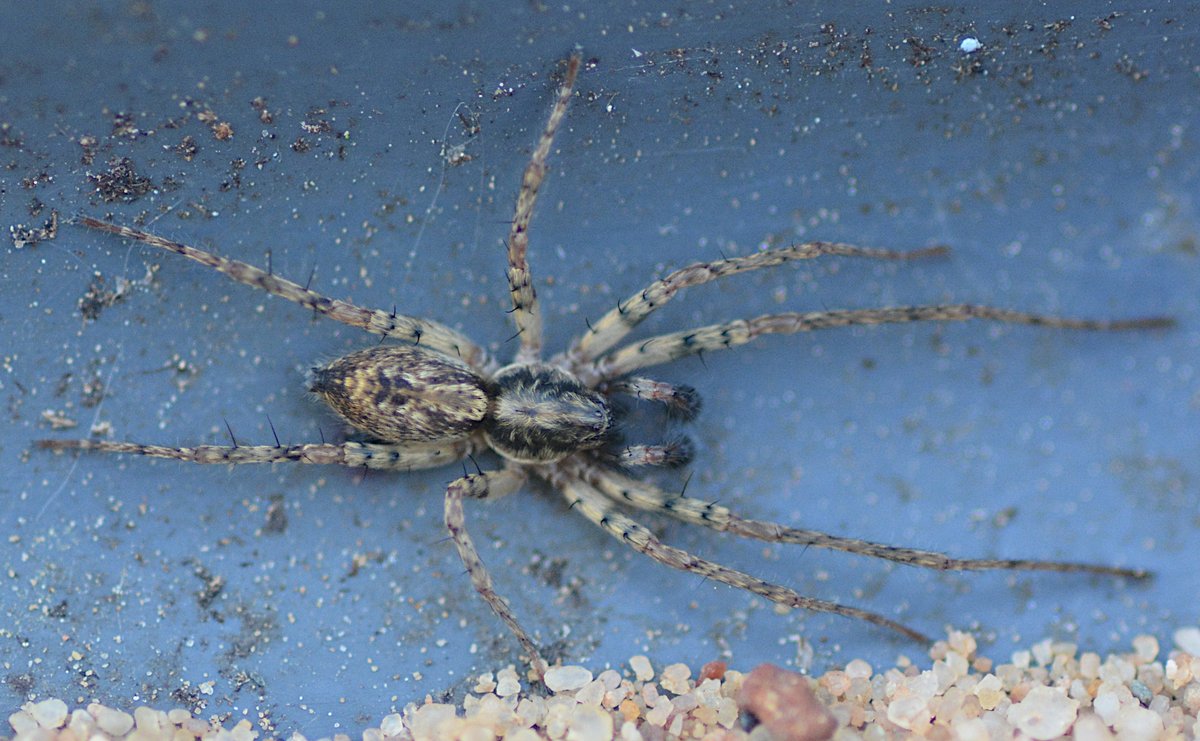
(28, 236)
(120, 182)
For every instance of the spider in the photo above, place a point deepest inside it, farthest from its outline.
(437, 397)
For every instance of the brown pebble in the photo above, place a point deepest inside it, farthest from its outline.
(713, 670)
(783, 702)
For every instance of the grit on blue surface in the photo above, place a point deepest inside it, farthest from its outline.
(378, 148)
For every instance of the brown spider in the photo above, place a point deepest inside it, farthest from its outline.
(438, 397)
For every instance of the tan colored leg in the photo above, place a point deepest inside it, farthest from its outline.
(354, 455)
(646, 496)
(488, 485)
(594, 506)
(520, 281)
(424, 332)
(666, 347)
(616, 324)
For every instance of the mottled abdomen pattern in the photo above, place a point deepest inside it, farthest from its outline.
(403, 393)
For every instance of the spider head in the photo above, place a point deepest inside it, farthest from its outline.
(541, 413)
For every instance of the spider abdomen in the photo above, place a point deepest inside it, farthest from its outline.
(541, 413)
(403, 393)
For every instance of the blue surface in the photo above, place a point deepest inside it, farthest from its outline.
(1063, 170)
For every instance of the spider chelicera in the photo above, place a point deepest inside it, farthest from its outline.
(437, 397)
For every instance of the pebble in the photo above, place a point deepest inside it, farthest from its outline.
(858, 669)
(589, 723)
(591, 693)
(1136, 723)
(22, 722)
(641, 668)
(1044, 713)
(566, 678)
(112, 722)
(1107, 705)
(610, 679)
(989, 691)
(1146, 648)
(1043, 692)
(1141, 692)
(49, 714)
(1091, 728)
(785, 704)
(484, 683)
(507, 682)
(1188, 639)
(675, 678)
(392, 725)
(658, 714)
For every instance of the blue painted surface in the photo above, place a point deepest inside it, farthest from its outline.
(1063, 170)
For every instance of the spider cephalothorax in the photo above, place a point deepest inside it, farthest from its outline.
(540, 413)
(437, 397)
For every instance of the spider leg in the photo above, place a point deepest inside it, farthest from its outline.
(488, 485)
(666, 347)
(673, 454)
(380, 456)
(526, 314)
(682, 402)
(594, 506)
(616, 324)
(424, 332)
(646, 496)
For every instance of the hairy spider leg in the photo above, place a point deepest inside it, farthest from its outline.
(667, 347)
(488, 485)
(378, 456)
(424, 332)
(526, 313)
(681, 402)
(581, 496)
(674, 453)
(645, 496)
(617, 323)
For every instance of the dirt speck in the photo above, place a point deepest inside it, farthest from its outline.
(121, 182)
